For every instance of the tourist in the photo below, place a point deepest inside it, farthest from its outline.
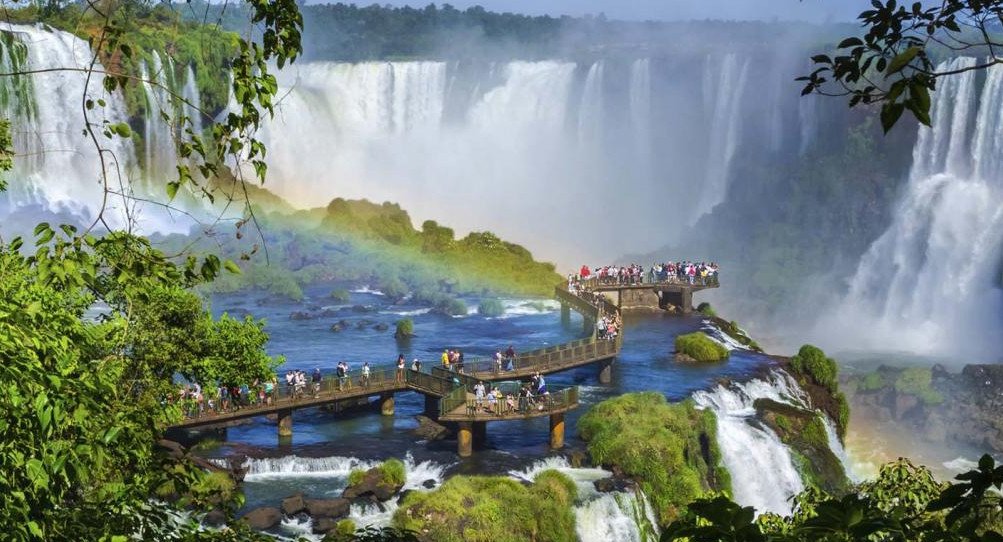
(365, 375)
(290, 383)
(445, 359)
(510, 354)
(399, 379)
(414, 365)
(459, 361)
(478, 395)
(341, 375)
(317, 378)
(492, 402)
(541, 384)
(270, 390)
(509, 404)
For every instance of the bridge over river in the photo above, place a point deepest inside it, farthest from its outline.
(449, 393)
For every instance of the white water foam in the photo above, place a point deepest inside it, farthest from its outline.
(301, 467)
(762, 470)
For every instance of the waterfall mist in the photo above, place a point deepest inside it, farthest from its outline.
(930, 284)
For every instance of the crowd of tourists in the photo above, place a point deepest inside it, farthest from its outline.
(452, 360)
(688, 272)
(531, 395)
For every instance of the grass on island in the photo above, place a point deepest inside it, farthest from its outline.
(670, 449)
(492, 509)
(699, 347)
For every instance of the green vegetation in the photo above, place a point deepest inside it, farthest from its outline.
(405, 329)
(362, 241)
(491, 307)
(700, 347)
(344, 531)
(871, 382)
(804, 433)
(706, 310)
(355, 476)
(670, 449)
(919, 382)
(492, 509)
(811, 362)
(904, 503)
(392, 472)
(340, 295)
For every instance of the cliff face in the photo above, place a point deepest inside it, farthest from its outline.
(939, 407)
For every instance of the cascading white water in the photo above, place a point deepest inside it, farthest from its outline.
(192, 102)
(931, 283)
(640, 111)
(762, 470)
(590, 113)
(724, 84)
(599, 517)
(55, 167)
(158, 140)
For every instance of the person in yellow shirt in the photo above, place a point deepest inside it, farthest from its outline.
(445, 358)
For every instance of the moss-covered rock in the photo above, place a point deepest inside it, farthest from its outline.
(803, 431)
(697, 346)
(669, 449)
(380, 482)
(405, 329)
(491, 308)
(340, 295)
(492, 509)
(818, 375)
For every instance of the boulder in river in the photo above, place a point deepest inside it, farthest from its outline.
(336, 328)
(382, 326)
(327, 508)
(215, 518)
(377, 484)
(262, 519)
(300, 315)
(293, 505)
(429, 429)
(614, 484)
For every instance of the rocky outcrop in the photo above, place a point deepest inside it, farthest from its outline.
(803, 431)
(614, 484)
(429, 429)
(375, 485)
(293, 505)
(327, 508)
(263, 519)
(934, 405)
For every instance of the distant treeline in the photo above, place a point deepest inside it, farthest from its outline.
(351, 33)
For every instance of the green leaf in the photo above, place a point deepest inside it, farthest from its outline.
(903, 59)
(232, 267)
(110, 435)
(122, 129)
(172, 189)
(36, 473)
(890, 114)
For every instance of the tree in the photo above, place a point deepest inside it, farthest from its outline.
(892, 64)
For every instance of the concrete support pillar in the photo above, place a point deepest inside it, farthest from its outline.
(606, 371)
(387, 404)
(285, 423)
(687, 305)
(480, 433)
(432, 406)
(557, 431)
(465, 440)
(565, 315)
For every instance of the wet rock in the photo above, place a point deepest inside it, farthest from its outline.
(373, 486)
(382, 326)
(363, 324)
(300, 315)
(327, 508)
(262, 519)
(215, 518)
(429, 429)
(403, 495)
(613, 484)
(904, 403)
(344, 323)
(428, 484)
(328, 312)
(293, 505)
(336, 328)
(361, 308)
(324, 525)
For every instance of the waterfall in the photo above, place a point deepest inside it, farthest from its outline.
(762, 470)
(193, 102)
(55, 168)
(640, 112)
(930, 283)
(623, 515)
(724, 84)
(293, 466)
(590, 113)
(158, 140)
